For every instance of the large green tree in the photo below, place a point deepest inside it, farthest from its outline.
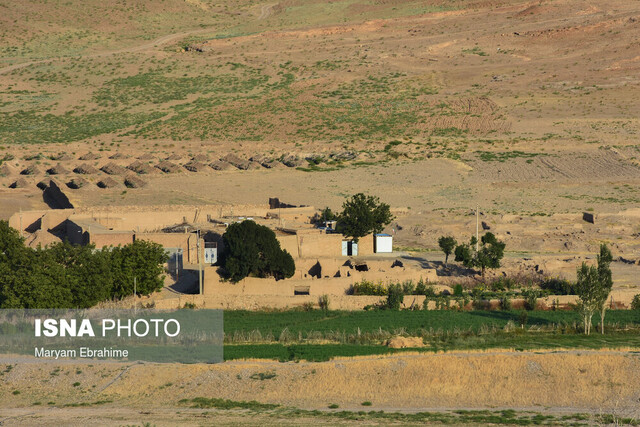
(63, 275)
(252, 249)
(361, 215)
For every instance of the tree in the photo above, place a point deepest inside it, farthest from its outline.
(63, 275)
(488, 255)
(587, 288)
(252, 249)
(447, 244)
(593, 288)
(327, 215)
(605, 281)
(141, 261)
(361, 215)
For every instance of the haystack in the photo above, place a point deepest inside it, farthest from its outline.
(168, 167)
(141, 168)
(113, 169)
(194, 166)
(174, 156)
(107, 182)
(89, 156)
(117, 156)
(57, 170)
(20, 183)
(221, 165)
(85, 169)
(132, 181)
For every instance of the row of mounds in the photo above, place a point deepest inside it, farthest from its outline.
(78, 182)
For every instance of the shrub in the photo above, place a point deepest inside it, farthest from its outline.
(502, 284)
(505, 302)
(323, 302)
(307, 306)
(558, 286)
(635, 303)
(395, 297)
(424, 288)
(408, 287)
(366, 287)
(457, 290)
(530, 299)
(524, 316)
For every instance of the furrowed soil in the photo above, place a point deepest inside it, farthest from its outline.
(560, 382)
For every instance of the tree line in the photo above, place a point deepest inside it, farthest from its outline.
(63, 275)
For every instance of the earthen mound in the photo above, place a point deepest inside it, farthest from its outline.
(20, 183)
(141, 168)
(89, 156)
(113, 169)
(236, 161)
(132, 181)
(107, 182)
(77, 183)
(30, 170)
(194, 166)
(221, 165)
(57, 170)
(168, 167)
(85, 169)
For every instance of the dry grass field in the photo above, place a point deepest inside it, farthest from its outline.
(557, 383)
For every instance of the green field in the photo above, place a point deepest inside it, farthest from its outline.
(314, 336)
(415, 323)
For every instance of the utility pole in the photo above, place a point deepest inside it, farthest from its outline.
(477, 228)
(199, 263)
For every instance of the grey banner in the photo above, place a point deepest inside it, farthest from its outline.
(166, 336)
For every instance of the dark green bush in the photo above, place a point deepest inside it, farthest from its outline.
(395, 297)
(635, 303)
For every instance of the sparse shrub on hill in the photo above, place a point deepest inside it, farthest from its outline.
(252, 249)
